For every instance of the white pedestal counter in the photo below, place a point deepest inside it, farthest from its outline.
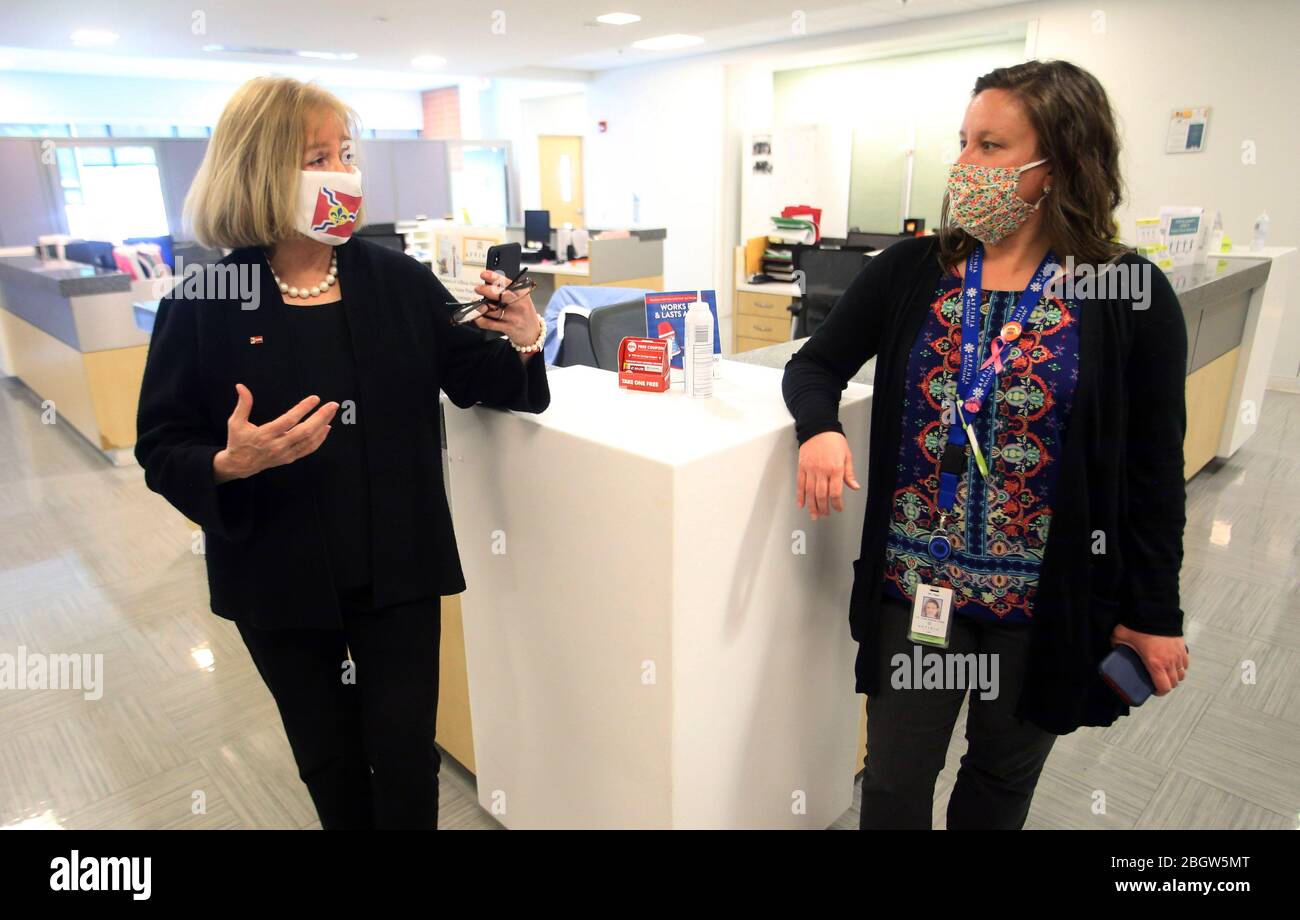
(656, 636)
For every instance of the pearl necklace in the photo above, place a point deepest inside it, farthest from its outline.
(302, 293)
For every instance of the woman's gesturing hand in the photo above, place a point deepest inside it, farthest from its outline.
(825, 466)
(518, 319)
(252, 448)
(1165, 657)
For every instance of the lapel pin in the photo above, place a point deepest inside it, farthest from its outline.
(254, 340)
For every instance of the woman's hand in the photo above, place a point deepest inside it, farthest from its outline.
(518, 320)
(252, 448)
(825, 466)
(1165, 657)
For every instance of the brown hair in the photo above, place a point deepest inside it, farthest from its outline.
(246, 190)
(1072, 117)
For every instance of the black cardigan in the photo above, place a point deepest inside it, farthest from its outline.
(1120, 480)
(267, 561)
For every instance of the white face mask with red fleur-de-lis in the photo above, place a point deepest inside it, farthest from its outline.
(328, 205)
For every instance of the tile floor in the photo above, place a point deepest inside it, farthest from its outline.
(90, 559)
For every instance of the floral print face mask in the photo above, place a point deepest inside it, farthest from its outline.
(984, 202)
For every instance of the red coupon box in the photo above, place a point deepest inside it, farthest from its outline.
(643, 364)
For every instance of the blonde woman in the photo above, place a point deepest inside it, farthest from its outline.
(300, 429)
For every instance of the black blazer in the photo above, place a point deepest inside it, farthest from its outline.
(267, 561)
(1121, 473)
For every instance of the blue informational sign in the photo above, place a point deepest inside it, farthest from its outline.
(665, 317)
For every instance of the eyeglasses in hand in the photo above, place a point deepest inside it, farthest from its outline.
(463, 313)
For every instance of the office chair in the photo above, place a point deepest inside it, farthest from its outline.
(385, 235)
(610, 325)
(165, 243)
(858, 239)
(575, 346)
(192, 253)
(91, 252)
(827, 275)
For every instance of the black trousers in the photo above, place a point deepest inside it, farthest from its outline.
(364, 747)
(908, 731)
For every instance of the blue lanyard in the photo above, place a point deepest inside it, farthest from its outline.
(972, 386)
(974, 382)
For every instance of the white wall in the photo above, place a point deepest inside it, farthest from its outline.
(522, 111)
(546, 115)
(1237, 58)
(44, 98)
(664, 146)
(881, 124)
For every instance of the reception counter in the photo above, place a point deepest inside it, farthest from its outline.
(71, 335)
(1230, 340)
(654, 632)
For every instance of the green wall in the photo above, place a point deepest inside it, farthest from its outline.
(885, 100)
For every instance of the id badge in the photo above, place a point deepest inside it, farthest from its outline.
(931, 615)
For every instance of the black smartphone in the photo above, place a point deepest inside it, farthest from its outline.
(1125, 673)
(504, 259)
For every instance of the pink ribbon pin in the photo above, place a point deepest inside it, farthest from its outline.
(995, 354)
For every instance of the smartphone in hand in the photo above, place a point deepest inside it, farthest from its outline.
(1125, 673)
(504, 259)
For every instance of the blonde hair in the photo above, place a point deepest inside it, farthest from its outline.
(246, 189)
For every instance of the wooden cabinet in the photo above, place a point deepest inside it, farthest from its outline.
(455, 729)
(759, 327)
(760, 319)
(1208, 393)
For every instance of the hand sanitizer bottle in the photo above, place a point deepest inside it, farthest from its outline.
(1261, 233)
(697, 357)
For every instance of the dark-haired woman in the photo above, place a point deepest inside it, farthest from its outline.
(1026, 454)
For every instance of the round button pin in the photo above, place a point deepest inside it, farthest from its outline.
(1011, 331)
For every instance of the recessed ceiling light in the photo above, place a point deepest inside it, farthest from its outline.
(618, 19)
(94, 37)
(281, 52)
(329, 55)
(428, 62)
(668, 42)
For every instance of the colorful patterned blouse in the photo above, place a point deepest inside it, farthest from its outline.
(998, 527)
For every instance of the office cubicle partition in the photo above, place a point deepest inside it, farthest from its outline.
(402, 178)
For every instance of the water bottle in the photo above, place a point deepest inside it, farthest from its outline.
(697, 359)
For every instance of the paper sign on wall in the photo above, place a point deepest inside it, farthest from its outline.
(1187, 130)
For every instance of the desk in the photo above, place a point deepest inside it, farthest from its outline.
(72, 337)
(1227, 356)
(656, 638)
(1275, 322)
(551, 276)
(635, 261)
(578, 268)
(777, 356)
(763, 313)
